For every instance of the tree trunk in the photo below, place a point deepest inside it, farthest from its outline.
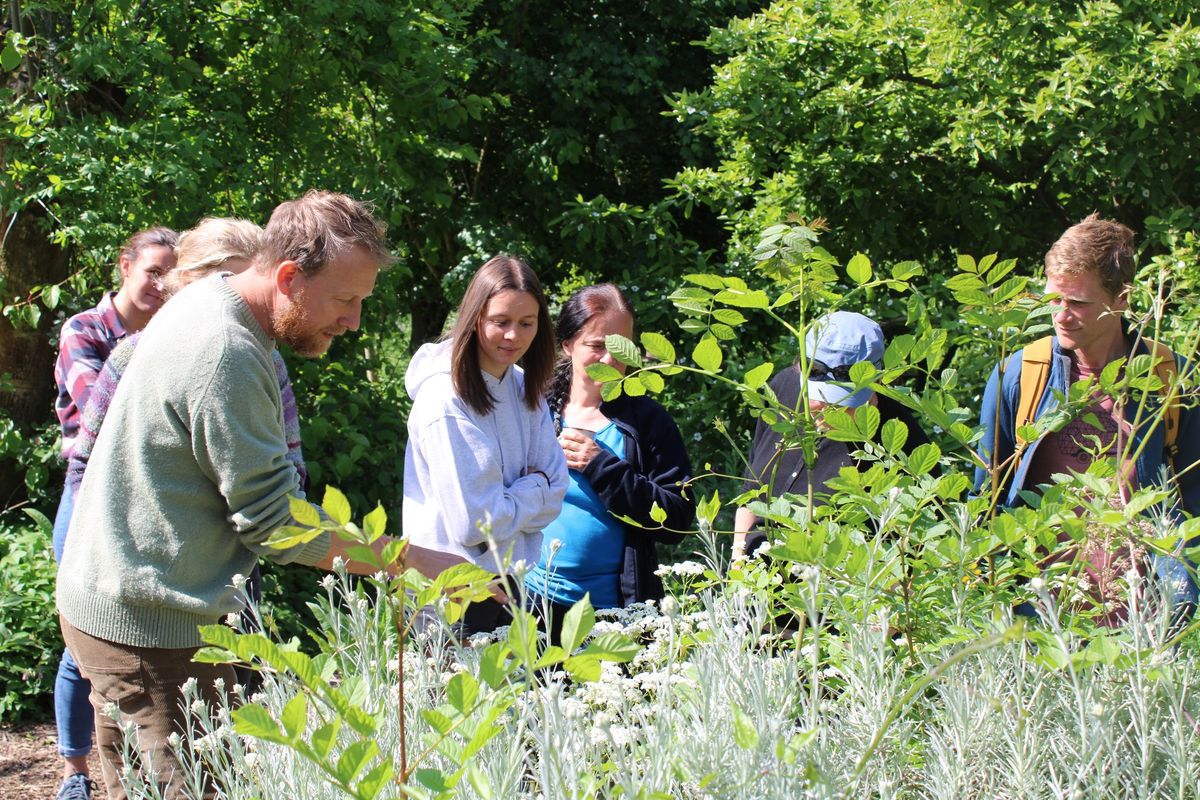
(27, 258)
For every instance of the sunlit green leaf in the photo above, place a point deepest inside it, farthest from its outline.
(336, 505)
(745, 733)
(623, 350)
(603, 372)
(577, 624)
(658, 346)
(707, 354)
(304, 512)
(859, 269)
(757, 376)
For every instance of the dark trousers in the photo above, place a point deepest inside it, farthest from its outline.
(144, 683)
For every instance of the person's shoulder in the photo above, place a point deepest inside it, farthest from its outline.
(85, 322)
(436, 399)
(786, 384)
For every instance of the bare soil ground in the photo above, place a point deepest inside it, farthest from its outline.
(30, 768)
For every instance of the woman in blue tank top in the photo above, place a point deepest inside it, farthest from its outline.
(624, 457)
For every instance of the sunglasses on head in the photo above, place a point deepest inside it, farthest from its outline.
(820, 371)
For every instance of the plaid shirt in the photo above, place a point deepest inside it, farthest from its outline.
(84, 345)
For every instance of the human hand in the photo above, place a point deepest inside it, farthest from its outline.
(578, 447)
(431, 563)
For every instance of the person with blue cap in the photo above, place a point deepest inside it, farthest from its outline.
(833, 344)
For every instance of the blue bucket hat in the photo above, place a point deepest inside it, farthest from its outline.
(834, 343)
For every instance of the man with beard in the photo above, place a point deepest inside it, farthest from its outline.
(190, 475)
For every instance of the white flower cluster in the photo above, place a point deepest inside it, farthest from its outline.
(684, 569)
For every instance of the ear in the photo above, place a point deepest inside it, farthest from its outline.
(124, 264)
(1121, 301)
(286, 275)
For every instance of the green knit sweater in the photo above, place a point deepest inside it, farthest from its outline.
(188, 478)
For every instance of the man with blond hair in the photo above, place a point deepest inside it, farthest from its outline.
(1089, 275)
(190, 475)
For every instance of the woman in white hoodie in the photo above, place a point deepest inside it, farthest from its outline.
(483, 471)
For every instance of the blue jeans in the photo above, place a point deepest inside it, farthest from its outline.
(73, 712)
(62, 521)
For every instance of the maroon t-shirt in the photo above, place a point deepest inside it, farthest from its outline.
(1099, 431)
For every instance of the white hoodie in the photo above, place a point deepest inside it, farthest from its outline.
(463, 469)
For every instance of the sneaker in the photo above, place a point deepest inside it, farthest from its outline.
(76, 787)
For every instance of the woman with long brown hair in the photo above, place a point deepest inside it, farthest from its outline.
(483, 473)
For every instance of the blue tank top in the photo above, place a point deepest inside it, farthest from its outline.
(593, 542)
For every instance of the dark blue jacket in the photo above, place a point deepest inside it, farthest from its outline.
(654, 470)
(998, 418)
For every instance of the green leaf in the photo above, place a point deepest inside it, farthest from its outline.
(657, 513)
(362, 553)
(729, 316)
(553, 654)
(354, 759)
(10, 59)
(653, 381)
(219, 636)
(840, 425)
(254, 720)
(722, 331)
(1104, 649)
(894, 435)
(583, 667)
(432, 779)
(44, 524)
(623, 350)
(707, 509)
(362, 722)
(866, 419)
(859, 269)
(707, 354)
(295, 716)
(325, 737)
(481, 782)
(437, 720)
(744, 298)
(392, 552)
(51, 296)
(290, 536)
(745, 734)
(713, 282)
(375, 523)
(462, 691)
(784, 299)
(757, 376)
(374, 781)
(336, 505)
(611, 390)
(1009, 289)
(577, 624)
(612, 646)
(603, 373)
(633, 386)
(658, 346)
(862, 372)
(906, 270)
(924, 458)
(215, 655)
(304, 512)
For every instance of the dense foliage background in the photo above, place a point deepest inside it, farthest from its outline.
(602, 140)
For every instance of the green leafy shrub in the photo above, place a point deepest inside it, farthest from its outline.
(30, 641)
